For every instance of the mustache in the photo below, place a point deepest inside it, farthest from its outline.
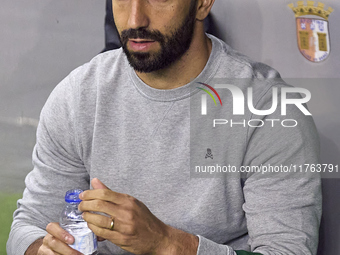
(141, 33)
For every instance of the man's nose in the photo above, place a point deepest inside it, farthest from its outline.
(138, 14)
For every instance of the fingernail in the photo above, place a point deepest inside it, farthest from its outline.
(81, 195)
(67, 239)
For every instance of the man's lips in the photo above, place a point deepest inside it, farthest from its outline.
(140, 44)
(141, 40)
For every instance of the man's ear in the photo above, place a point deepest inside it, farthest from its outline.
(203, 8)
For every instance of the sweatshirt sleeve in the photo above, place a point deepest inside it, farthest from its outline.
(57, 163)
(283, 203)
(207, 246)
(282, 207)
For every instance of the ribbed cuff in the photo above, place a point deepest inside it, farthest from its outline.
(20, 239)
(208, 247)
(247, 253)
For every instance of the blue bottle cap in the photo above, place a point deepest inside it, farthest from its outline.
(72, 196)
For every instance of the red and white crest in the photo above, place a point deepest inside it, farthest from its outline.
(312, 32)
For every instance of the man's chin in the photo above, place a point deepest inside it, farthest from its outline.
(144, 66)
(143, 62)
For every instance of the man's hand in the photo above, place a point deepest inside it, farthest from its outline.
(55, 242)
(136, 229)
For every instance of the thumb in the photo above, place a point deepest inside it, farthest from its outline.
(97, 184)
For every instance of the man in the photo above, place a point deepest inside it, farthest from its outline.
(122, 123)
(111, 34)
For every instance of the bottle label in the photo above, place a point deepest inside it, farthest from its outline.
(85, 243)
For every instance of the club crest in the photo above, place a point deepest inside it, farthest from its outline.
(312, 30)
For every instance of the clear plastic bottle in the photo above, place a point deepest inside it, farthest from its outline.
(72, 222)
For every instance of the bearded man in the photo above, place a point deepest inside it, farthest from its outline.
(121, 123)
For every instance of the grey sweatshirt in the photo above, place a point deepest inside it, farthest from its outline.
(103, 121)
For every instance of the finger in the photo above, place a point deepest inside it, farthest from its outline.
(58, 232)
(111, 235)
(105, 223)
(97, 219)
(97, 184)
(99, 206)
(100, 239)
(104, 194)
(44, 250)
(57, 247)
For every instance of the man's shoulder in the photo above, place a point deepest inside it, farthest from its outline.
(96, 75)
(238, 65)
(90, 79)
(106, 63)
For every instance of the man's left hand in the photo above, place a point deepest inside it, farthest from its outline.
(135, 228)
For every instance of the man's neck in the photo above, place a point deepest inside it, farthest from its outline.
(188, 67)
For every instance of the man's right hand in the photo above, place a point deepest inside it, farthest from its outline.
(55, 242)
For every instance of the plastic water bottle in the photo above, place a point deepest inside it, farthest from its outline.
(73, 223)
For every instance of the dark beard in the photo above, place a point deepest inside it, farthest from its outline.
(173, 46)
